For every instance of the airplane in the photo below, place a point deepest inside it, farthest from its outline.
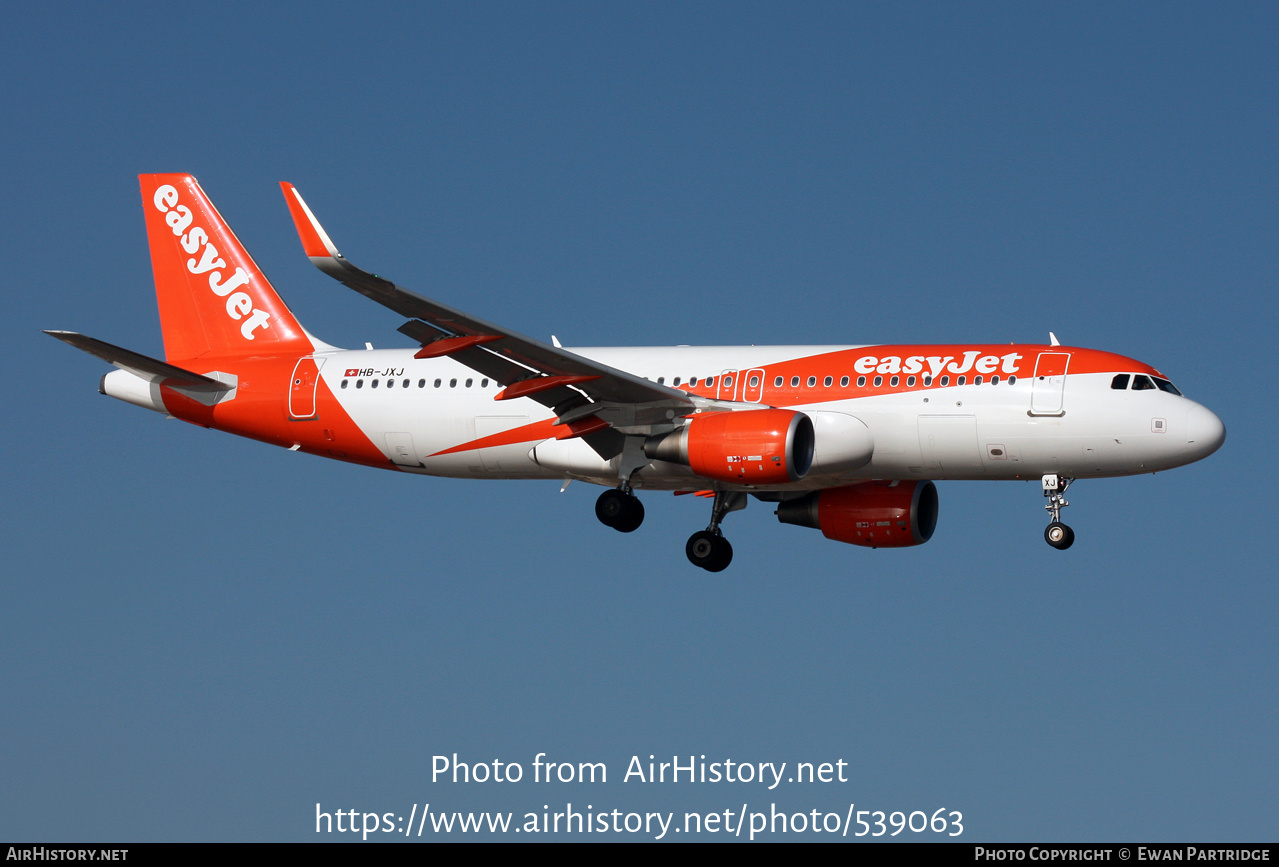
(848, 440)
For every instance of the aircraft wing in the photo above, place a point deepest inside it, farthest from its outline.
(574, 387)
(141, 366)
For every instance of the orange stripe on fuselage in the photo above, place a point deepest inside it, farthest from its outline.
(535, 431)
(845, 363)
(260, 411)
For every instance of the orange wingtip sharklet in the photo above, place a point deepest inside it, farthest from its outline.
(315, 241)
(538, 384)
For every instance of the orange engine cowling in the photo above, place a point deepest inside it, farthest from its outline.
(750, 447)
(875, 514)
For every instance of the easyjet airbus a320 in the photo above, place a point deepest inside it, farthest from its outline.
(844, 439)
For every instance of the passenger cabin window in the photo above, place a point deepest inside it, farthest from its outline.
(359, 383)
(438, 382)
(945, 380)
(910, 380)
(994, 380)
(754, 382)
(468, 383)
(374, 383)
(928, 380)
(452, 383)
(421, 383)
(977, 379)
(893, 382)
(676, 382)
(1120, 382)
(812, 381)
(843, 382)
(406, 383)
(961, 380)
(344, 383)
(1141, 382)
(828, 382)
(390, 383)
(879, 380)
(777, 383)
(861, 382)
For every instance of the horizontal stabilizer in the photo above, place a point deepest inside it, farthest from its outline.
(142, 366)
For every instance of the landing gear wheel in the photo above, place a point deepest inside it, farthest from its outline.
(709, 551)
(1056, 533)
(1059, 535)
(623, 512)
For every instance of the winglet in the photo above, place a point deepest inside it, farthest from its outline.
(315, 241)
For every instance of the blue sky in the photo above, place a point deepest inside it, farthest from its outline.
(204, 636)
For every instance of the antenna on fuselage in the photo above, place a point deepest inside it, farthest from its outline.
(1052, 339)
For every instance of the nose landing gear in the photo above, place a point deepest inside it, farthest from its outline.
(708, 548)
(1056, 533)
(1059, 535)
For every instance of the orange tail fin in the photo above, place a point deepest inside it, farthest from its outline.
(213, 298)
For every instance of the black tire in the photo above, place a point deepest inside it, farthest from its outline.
(622, 512)
(609, 507)
(723, 555)
(1059, 536)
(700, 548)
(709, 551)
(632, 516)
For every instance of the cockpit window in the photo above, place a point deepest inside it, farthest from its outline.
(1141, 382)
(1120, 382)
(1165, 385)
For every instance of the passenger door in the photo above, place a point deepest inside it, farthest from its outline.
(1049, 388)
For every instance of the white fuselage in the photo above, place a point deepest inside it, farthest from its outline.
(417, 408)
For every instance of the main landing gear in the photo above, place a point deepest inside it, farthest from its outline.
(1056, 533)
(620, 509)
(708, 548)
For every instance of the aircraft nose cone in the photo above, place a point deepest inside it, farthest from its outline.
(1204, 431)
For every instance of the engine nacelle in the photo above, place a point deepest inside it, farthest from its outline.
(751, 447)
(844, 444)
(875, 514)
